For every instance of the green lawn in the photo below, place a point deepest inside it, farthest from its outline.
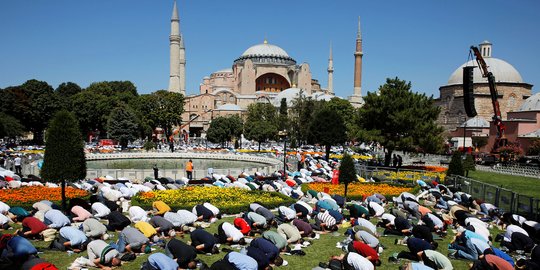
(321, 250)
(519, 184)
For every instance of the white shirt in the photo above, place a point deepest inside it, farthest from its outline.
(358, 262)
(367, 225)
(4, 208)
(512, 229)
(389, 217)
(287, 212)
(307, 206)
(100, 210)
(136, 213)
(17, 161)
(232, 232)
(186, 216)
(3, 219)
(212, 208)
(519, 219)
(379, 210)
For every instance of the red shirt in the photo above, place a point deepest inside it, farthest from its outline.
(366, 251)
(35, 225)
(242, 225)
(498, 262)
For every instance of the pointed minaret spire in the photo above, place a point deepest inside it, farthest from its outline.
(330, 72)
(174, 16)
(359, 31)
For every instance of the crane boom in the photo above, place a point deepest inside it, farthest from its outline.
(500, 140)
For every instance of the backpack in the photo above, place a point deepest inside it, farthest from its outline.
(335, 265)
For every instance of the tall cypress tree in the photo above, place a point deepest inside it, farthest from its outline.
(64, 152)
(347, 172)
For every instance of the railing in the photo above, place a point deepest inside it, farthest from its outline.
(505, 199)
(527, 171)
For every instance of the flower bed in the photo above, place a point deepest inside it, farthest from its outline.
(409, 175)
(228, 200)
(26, 196)
(358, 190)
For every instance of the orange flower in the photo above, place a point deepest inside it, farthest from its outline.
(358, 189)
(26, 195)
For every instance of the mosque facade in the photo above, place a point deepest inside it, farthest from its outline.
(262, 73)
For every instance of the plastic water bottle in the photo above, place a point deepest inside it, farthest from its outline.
(70, 252)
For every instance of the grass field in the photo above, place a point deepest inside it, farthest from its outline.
(519, 184)
(320, 251)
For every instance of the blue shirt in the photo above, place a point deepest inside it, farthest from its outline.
(337, 215)
(21, 246)
(75, 237)
(241, 261)
(503, 255)
(161, 262)
(55, 219)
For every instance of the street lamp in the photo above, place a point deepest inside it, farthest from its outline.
(283, 134)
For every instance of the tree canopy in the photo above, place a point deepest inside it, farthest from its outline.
(398, 118)
(64, 158)
(9, 126)
(123, 125)
(261, 123)
(223, 129)
(327, 128)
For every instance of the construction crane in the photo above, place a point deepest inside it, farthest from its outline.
(178, 129)
(500, 140)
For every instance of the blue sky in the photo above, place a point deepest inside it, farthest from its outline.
(418, 41)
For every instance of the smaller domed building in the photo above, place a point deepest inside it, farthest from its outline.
(511, 88)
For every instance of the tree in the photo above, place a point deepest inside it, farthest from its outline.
(33, 103)
(347, 112)
(123, 125)
(301, 115)
(9, 126)
(283, 119)
(534, 148)
(223, 129)
(161, 109)
(261, 123)
(347, 172)
(85, 107)
(456, 166)
(469, 165)
(397, 118)
(327, 128)
(65, 91)
(218, 132)
(64, 152)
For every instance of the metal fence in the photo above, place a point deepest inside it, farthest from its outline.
(505, 199)
(528, 171)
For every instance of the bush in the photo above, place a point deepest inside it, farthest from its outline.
(456, 166)
(149, 145)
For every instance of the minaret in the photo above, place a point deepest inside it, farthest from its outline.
(356, 99)
(182, 66)
(330, 73)
(174, 38)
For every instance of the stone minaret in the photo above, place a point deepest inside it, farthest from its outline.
(174, 38)
(330, 73)
(356, 99)
(182, 66)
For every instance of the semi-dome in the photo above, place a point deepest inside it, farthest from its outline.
(322, 96)
(531, 104)
(266, 53)
(502, 70)
(289, 95)
(476, 122)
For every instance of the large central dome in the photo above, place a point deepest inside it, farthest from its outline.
(265, 49)
(266, 54)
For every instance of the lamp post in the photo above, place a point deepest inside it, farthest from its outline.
(283, 135)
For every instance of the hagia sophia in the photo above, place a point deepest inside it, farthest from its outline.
(267, 73)
(262, 73)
